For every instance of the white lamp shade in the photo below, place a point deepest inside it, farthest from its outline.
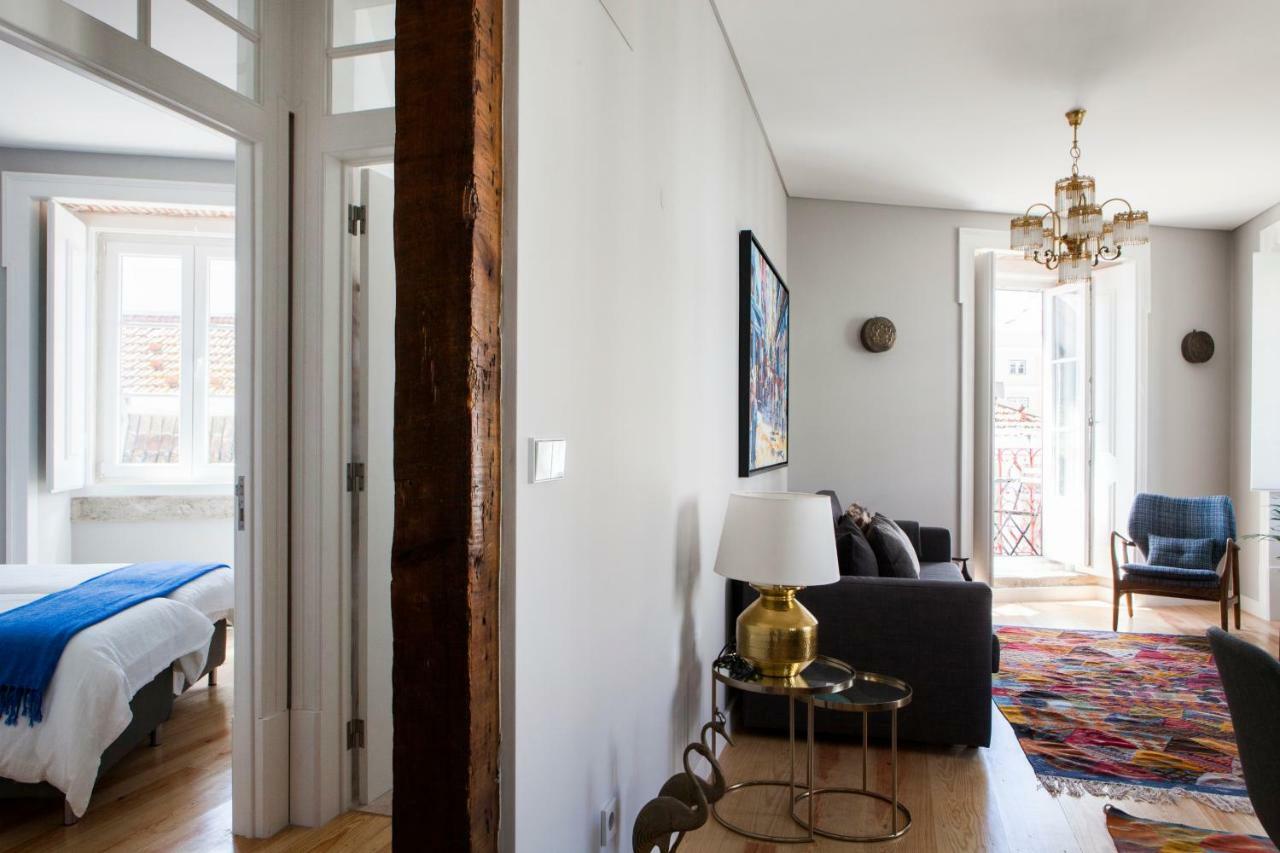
(778, 539)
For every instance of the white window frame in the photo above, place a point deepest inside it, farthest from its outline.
(193, 467)
(333, 54)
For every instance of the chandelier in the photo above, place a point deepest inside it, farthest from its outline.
(1072, 236)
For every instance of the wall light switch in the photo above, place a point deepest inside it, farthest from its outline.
(546, 459)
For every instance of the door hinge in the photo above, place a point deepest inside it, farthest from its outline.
(355, 734)
(355, 476)
(356, 219)
(240, 502)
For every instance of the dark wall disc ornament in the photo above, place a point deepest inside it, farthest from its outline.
(1197, 346)
(879, 334)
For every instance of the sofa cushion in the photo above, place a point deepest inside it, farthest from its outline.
(853, 551)
(940, 572)
(894, 552)
(1180, 553)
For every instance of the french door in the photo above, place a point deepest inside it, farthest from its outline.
(1090, 363)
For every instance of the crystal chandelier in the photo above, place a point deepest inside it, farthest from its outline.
(1072, 236)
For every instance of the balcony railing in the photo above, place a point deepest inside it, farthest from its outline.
(1016, 506)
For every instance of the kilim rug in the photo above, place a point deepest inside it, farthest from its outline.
(1125, 716)
(1139, 835)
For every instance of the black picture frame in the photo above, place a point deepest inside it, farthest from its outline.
(748, 246)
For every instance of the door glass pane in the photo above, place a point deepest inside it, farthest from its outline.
(1066, 320)
(204, 44)
(365, 82)
(150, 358)
(221, 391)
(245, 11)
(363, 21)
(121, 14)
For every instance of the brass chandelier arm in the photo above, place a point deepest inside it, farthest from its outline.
(1125, 201)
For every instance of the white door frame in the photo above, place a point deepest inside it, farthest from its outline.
(67, 36)
(975, 413)
(326, 148)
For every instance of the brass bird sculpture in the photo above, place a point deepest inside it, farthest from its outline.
(662, 817)
(680, 785)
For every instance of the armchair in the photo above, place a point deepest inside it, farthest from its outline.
(1212, 518)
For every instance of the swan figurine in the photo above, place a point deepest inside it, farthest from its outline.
(664, 816)
(680, 785)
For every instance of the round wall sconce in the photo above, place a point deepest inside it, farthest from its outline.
(1197, 346)
(878, 334)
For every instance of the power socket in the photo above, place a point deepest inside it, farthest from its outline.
(608, 822)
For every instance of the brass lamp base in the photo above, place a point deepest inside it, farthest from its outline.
(777, 634)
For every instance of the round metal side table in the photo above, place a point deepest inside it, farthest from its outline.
(869, 694)
(824, 675)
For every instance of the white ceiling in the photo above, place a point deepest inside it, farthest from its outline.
(43, 105)
(959, 103)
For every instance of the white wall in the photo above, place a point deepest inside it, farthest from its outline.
(53, 543)
(198, 541)
(1259, 576)
(884, 429)
(638, 164)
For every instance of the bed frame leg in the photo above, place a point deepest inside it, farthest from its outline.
(213, 677)
(155, 736)
(68, 816)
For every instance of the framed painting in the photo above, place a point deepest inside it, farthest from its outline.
(764, 349)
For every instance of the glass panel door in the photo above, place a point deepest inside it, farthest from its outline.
(1066, 424)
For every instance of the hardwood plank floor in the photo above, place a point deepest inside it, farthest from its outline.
(178, 795)
(965, 799)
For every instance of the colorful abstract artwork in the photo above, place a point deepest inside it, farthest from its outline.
(1139, 835)
(764, 351)
(1126, 716)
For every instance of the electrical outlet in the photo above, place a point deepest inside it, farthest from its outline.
(608, 822)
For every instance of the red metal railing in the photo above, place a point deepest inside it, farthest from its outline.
(1016, 505)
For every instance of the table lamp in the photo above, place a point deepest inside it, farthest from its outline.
(779, 542)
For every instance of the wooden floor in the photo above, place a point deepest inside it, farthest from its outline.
(178, 796)
(964, 799)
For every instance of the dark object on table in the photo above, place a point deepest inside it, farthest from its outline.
(662, 817)
(1251, 680)
(878, 334)
(1184, 519)
(933, 632)
(1197, 346)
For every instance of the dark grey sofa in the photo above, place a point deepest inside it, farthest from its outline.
(934, 633)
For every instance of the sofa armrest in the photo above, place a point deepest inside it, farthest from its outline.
(935, 545)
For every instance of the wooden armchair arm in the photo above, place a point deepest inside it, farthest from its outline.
(1115, 562)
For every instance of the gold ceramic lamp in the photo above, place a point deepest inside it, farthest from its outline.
(779, 542)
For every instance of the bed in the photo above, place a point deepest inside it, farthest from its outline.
(115, 682)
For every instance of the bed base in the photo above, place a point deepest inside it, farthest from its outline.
(151, 707)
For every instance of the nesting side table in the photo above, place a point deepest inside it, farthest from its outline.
(870, 693)
(824, 676)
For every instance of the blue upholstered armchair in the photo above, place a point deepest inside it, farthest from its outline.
(1188, 550)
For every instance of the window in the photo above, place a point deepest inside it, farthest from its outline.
(166, 378)
(361, 55)
(217, 38)
(1018, 367)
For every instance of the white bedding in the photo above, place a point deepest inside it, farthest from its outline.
(86, 706)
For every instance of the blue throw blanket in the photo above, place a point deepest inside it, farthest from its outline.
(33, 636)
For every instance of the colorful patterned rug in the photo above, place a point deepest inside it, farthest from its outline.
(1126, 716)
(1139, 835)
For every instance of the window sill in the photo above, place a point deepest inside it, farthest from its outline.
(153, 508)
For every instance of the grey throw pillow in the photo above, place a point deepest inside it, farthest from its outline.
(854, 551)
(894, 553)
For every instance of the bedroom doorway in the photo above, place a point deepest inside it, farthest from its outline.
(129, 397)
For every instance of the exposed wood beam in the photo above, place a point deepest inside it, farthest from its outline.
(444, 588)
